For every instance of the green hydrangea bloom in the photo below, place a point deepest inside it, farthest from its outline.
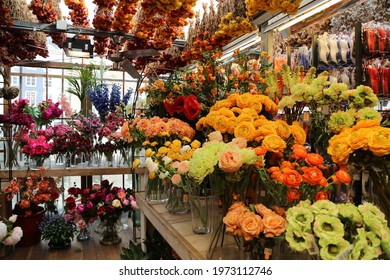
(348, 211)
(332, 247)
(300, 217)
(340, 120)
(298, 240)
(326, 226)
(325, 207)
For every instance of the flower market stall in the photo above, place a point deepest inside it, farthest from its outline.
(259, 132)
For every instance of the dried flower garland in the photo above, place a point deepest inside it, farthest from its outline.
(124, 14)
(5, 19)
(103, 21)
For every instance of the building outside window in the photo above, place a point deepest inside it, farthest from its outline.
(32, 97)
(48, 83)
(31, 81)
(14, 81)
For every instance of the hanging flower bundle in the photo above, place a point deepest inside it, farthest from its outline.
(103, 21)
(48, 11)
(78, 12)
(285, 6)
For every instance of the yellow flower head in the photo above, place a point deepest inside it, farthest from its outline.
(274, 143)
(245, 130)
(298, 133)
(379, 141)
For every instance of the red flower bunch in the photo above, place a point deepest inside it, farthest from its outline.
(105, 201)
(189, 106)
(34, 189)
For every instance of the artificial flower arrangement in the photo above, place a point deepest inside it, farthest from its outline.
(34, 190)
(9, 235)
(257, 225)
(103, 201)
(332, 231)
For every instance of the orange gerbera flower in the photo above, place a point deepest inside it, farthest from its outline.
(343, 176)
(314, 159)
(312, 175)
(291, 178)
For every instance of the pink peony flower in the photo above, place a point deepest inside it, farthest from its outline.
(183, 167)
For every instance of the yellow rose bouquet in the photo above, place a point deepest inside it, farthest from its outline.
(366, 148)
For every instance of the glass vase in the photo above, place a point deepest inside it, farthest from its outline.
(202, 205)
(156, 191)
(110, 233)
(177, 202)
(84, 234)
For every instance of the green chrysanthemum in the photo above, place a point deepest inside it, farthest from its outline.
(340, 120)
(325, 207)
(299, 218)
(363, 249)
(326, 226)
(368, 114)
(334, 91)
(348, 211)
(298, 240)
(332, 247)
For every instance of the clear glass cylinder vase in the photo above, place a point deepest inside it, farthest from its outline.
(177, 201)
(156, 191)
(202, 208)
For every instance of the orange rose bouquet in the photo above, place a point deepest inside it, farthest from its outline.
(257, 225)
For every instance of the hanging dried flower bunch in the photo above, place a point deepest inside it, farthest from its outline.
(124, 14)
(78, 12)
(48, 11)
(286, 6)
(5, 18)
(18, 45)
(103, 21)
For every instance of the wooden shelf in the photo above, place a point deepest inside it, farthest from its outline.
(75, 171)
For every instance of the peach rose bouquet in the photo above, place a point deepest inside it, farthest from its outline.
(253, 227)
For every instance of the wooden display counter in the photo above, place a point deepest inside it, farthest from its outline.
(175, 229)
